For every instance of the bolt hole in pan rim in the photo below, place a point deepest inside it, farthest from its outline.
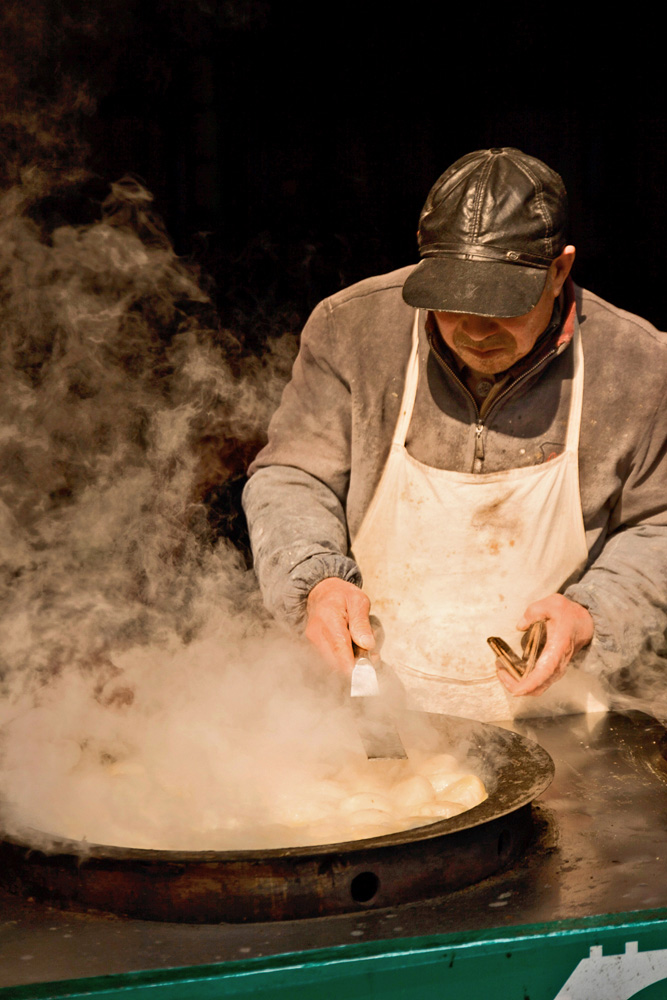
(297, 882)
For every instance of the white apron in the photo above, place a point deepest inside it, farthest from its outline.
(449, 558)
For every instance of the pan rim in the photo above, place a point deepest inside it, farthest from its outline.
(525, 788)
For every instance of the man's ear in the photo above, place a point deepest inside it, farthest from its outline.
(560, 268)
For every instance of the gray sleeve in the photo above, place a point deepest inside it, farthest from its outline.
(295, 498)
(625, 587)
(299, 537)
(625, 591)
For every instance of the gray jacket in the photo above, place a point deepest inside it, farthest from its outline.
(329, 440)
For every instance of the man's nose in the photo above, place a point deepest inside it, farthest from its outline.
(479, 327)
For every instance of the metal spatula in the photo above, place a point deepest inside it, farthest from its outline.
(376, 724)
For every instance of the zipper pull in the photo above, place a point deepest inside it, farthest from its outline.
(479, 444)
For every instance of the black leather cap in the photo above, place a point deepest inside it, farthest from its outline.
(490, 228)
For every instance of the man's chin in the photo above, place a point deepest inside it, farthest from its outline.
(487, 362)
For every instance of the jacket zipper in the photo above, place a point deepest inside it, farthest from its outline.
(479, 442)
(479, 423)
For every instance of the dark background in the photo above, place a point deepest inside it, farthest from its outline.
(302, 140)
(290, 147)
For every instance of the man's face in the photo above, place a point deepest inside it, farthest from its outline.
(488, 345)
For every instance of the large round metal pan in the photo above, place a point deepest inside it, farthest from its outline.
(298, 882)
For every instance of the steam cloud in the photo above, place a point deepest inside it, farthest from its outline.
(130, 636)
(115, 399)
(142, 686)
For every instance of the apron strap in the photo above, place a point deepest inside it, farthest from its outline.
(409, 390)
(577, 397)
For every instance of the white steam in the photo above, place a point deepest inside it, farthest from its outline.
(197, 748)
(111, 392)
(127, 636)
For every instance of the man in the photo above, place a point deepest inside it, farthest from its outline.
(479, 445)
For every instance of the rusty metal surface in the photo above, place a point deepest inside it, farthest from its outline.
(208, 886)
(599, 848)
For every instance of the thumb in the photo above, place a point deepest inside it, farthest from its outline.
(361, 631)
(533, 613)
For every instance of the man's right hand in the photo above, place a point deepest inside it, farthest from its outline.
(338, 616)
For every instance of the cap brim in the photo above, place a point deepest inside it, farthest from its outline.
(483, 288)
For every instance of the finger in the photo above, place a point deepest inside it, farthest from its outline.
(357, 611)
(333, 643)
(551, 664)
(328, 631)
(505, 677)
(522, 689)
(549, 668)
(535, 612)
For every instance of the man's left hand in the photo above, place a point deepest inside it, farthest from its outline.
(569, 629)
